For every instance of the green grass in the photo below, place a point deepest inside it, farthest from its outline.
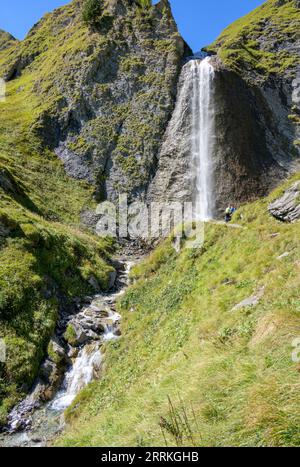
(250, 44)
(188, 370)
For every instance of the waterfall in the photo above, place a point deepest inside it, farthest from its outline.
(87, 364)
(203, 135)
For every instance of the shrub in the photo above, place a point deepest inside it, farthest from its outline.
(145, 4)
(91, 12)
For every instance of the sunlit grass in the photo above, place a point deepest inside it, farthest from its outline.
(230, 371)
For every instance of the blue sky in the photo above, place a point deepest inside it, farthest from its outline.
(199, 21)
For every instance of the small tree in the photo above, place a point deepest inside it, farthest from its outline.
(91, 12)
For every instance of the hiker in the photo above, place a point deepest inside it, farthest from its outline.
(229, 213)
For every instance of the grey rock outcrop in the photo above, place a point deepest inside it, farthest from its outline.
(256, 110)
(88, 325)
(173, 181)
(254, 136)
(287, 208)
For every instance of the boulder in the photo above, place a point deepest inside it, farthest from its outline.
(75, 334)
(94, 283)
(250, 301)
(112, 279)
(287, 208)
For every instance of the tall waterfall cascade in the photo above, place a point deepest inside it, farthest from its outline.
(203, 136)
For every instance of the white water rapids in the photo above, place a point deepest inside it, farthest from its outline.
(87, 365)
(203, 136)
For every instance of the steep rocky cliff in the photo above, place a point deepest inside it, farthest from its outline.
(256, 61)
(105, 92)
(105, 97)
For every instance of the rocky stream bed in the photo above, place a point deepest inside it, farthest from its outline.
(69, 368)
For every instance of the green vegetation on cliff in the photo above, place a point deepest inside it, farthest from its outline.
(264, 41)
(6, 40)
(192, 370)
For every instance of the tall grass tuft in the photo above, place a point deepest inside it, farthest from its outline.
(181, 425)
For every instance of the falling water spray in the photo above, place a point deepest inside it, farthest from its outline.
(203, 136)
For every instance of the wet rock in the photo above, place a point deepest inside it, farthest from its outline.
(86, 331)
(84, 327)
(94, 283)
(112, 279)
(287, 208)
(72, 352)
(50, 379)
(20, 417)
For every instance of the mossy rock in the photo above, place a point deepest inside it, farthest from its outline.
(70, 335)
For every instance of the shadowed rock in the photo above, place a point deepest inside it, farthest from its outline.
(287, 208)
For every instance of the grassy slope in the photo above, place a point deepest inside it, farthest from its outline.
(258, 41)
(43, 251)
(231, 372)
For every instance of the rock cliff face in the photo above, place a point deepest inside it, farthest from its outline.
(106, 92)
(254, 136)
(173, 180)
(106, 95)
(257, 123)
